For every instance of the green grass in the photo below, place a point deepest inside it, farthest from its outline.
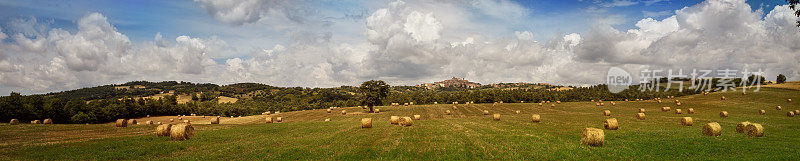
(466, 135)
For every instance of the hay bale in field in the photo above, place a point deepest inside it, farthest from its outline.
(279, 119)
(659, 101)
(613, 104)
(180, 118)
(740, 126)
(592, 137)
(678, 104)
(447, 112)
(455, 108)
(435, 103)
(171, 120)
(148, 122)
(163, 130)
(722, 98)
(540, 104)
(762, 112)
(148, 116)
(203, 117)
(665, 109)
(789, 100)
(377, 110)
(678, 111)
(611, 124)
(690, 111)
(592, 100)
(417, 117)
(547, 102)
(552, 105)
(754, 130)
(36, 122)
(536, 118)
(366, 123)
(406, 121)
(132, 122)
(797, 112)
(329, 110)
(344, 112)
(326, 120)
(496, 117)
(13, 122)
(517, 111)
(394, 120)
(596, 104)
(640, 116)
(641, 110)
(712, 129)
(723, 114)
(186, 121)
(626, 100)
(606, 113)
(158, 123)
(602, 104)
(521, 101)
(194, 114)
(268, 120)
(790, 114)
(48, 121)
(121, 123)
(558, 102)
(405, 104)
(181, 131)
(686, 121)
(485, 112)
(215, 120)
(778, 108)
(677, 101)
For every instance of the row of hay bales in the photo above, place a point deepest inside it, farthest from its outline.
(46, 121)
(748, 128)
(179, 132)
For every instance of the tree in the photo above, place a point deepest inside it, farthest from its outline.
(373, 92)
(792, 5)
(781, 79)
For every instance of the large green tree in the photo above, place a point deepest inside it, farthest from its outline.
(781, 79)
(373, 92)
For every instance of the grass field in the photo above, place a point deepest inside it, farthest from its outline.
(465, 135)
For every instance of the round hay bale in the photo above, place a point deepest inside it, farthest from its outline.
(626, 100)
(723, 114)
(796, 112)
(171, 120)
(613, 104)
(547, 102)
(677, 101)
(596, 104)
(447, 112)
(182, 131)
(678, 111)
(754, 130)
(417, 117)
(268, 120)
(163, 130)
(641, 110)
(659, 101)
(14, 122)
(496, 117)
(406, 121)
(540, 104)
(690, 111)
(517, 111)
(778, 108)
(394, 120)
(148, 122)
(435, 103)
(789, 100)
(678, 104)
(405, 104)
(712, 129)
(48, 121)
(558, 102)
(186, 121)
(148, 116)
(762, 112)
(521, 101)
(455, 108)
(740, 126)
(329, 110)
(36, 122)
(121, 123)
(132, 122)
(611, 124)
(722, 98)
(180, 118)
(326, 120)
(790, 114)
(377, 110)
(665, 109)
(536, 118)
(279, 119)
(552, 105)
(344, 112)
(485, 112)
(194, 114)
(686, 121)
(366, 123)
(640, 116)
(215, 120)
(158, 123)
(592, 137)
(606, 113)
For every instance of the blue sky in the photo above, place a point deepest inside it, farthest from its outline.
(52, 45)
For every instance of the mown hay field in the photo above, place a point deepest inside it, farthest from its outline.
(466, 134)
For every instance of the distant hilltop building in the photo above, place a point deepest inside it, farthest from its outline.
(451, 83)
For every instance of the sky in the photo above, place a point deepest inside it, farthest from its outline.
(56, 45)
